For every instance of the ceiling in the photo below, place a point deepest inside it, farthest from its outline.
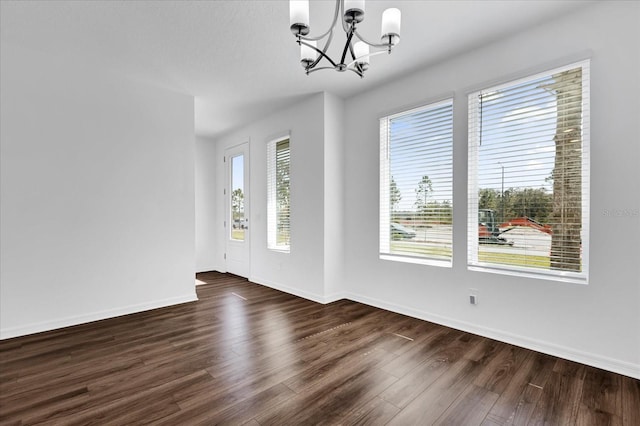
(239, 59)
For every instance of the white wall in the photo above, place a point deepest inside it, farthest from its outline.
(598, 323)
(205, 192)
(97, 215)
(334, 201)
(301, 271)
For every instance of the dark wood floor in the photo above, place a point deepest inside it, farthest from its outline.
(246, 354)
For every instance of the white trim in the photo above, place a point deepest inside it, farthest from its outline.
(39, 327)
(531, 272)
(314, 297)
(417, 260)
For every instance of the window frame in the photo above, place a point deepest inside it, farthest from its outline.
(474, 136)
(272, 195)
(384, 220)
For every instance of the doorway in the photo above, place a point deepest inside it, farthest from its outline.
(237, 226)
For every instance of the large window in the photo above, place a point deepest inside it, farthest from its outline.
(529, 176)
(416, 211)
(278, 190)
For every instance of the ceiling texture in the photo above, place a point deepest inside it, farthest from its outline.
(239, 59)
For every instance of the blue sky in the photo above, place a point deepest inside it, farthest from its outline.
(517, 134)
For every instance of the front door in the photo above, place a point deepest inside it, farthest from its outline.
(237, 227)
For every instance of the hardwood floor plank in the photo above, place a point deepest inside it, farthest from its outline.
(470, 408)
(601, 391)
(329, 404)
(415, 382)
(501, 368)
(561, 396)
(630, 401)
(517, 402)
(376, 412)
(429, 405)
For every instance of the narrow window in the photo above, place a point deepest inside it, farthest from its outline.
(278, 190)
(416, 211)
(237, 198)
(529, 176)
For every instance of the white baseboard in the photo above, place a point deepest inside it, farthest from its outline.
(605, 363)
(7, 333)
(291, 290)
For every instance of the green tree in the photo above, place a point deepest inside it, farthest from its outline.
(394, 194)
(534, 203)
(283, 188)
(237, 203)
(488, 199)
(424, 190)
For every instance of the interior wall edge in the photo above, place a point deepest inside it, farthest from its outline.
(314, 297)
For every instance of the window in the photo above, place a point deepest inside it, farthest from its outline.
(416, 149)
(238, 223)
(278, 190)
(529, 176)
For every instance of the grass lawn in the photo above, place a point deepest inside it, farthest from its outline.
(413, 249)
(516, 259)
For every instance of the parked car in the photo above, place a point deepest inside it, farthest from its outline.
(399, 232)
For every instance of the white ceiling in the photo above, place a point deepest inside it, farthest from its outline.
(239, 59)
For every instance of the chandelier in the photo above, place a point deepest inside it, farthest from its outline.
(351, 13)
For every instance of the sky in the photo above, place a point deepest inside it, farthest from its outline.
(517, 139)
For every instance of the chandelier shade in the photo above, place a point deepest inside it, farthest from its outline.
(357, 51)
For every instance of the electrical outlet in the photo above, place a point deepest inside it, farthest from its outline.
(473, 296)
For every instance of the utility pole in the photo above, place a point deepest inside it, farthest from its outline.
(502, 192)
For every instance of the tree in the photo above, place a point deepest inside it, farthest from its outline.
(534, 203)
(237, 203)
(567, 172)
(283, 188)
(488, 199)
(424, 190)
(394, 194)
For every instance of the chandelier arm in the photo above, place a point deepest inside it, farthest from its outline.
(356, 71)
(320, 52)
(384, 45)
(353, 55)
(333, 24)
(346, 47)
(379, 52)
(324, 50)
(309, 70)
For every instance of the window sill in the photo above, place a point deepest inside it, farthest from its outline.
(417, 260)
(567, 277)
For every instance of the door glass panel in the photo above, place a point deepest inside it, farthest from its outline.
(238, 222)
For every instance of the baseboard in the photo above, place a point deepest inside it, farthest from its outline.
(9, 333)
(290, 290)
(335, 297)
(605, 363)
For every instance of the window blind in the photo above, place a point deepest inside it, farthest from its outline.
(278, 192)
(416, 211)
(529, 175)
